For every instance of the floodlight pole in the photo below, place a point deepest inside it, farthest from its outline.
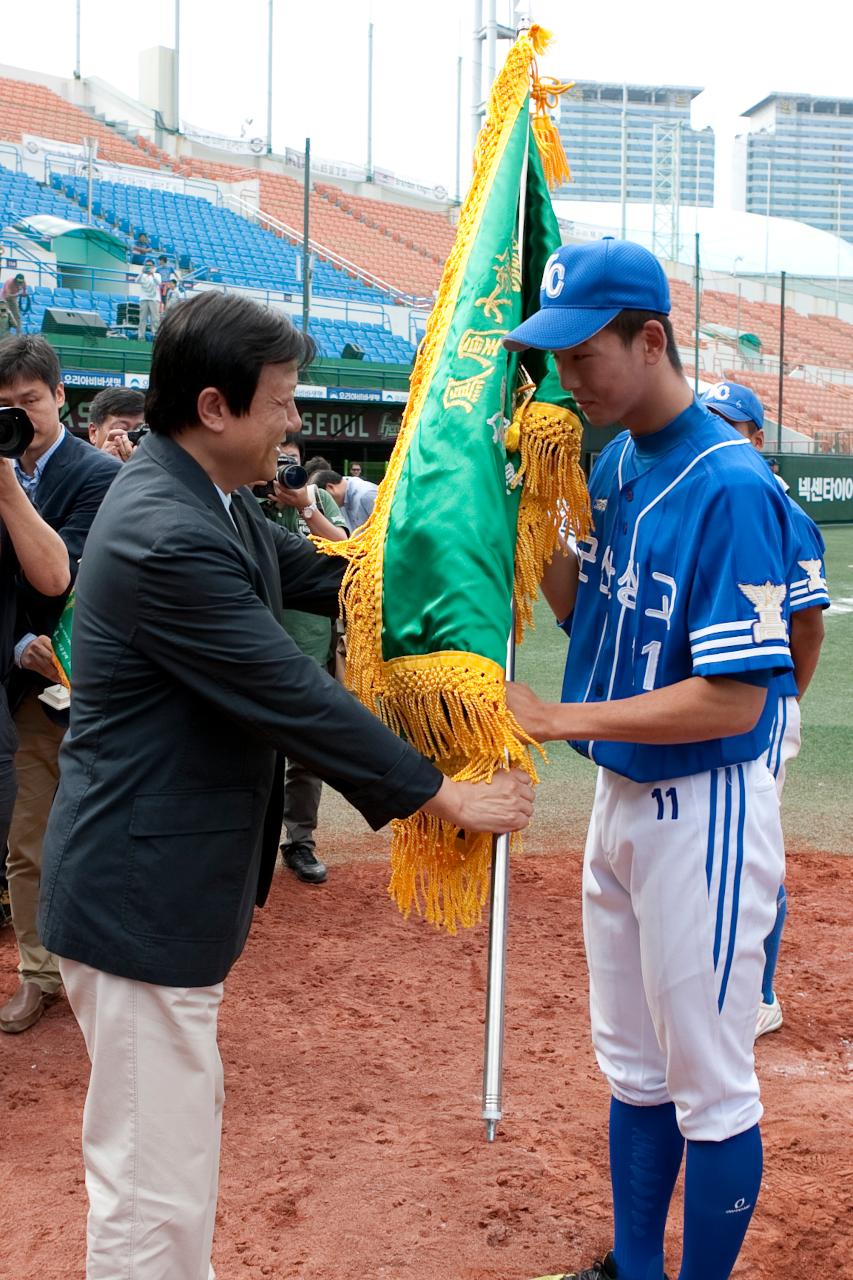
(176, 83)
(77, 45)
(306, 229)
(781, 362)
(370, 102)
(269, 79)
(623, 168)
(697, 289)
(458, 127)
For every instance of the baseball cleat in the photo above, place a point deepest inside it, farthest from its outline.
(769, 1017)
(605, 1270)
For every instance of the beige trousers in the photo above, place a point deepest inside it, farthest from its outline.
(37, 766)
(151, 1124)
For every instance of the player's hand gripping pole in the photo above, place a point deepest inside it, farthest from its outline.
(495, 986)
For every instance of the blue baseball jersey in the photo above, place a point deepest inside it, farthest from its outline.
(685, 573)
(806, 576)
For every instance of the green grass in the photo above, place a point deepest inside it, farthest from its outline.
(818, 803)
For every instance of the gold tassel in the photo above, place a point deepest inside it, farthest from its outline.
(554, 489)
(555, 164)
(545, 92)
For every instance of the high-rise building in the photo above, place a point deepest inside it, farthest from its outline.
(653, 124)
(796, 161)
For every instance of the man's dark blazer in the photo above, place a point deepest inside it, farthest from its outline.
(69, 492)
(187, 691)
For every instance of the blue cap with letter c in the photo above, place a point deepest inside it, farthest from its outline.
(584, 287)
(735, 402)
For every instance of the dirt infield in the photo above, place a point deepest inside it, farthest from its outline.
(353, 1148)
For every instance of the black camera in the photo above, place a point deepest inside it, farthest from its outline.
(16, 432)
(289, 474)
(136, 433)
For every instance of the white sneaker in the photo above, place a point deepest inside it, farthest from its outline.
(769, 1017)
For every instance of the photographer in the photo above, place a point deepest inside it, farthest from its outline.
(30, 551)
(306, 510)
(64, 480)
(188, 693)
(112, 414)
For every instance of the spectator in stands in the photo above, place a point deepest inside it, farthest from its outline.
(355, 469)
(6, 325)
(317, 464)
(168, 275)
(354, 496)
(13, 289)
(113, 412)
(141, 248)
(173, 293)
(149, 301)
(65, 480)
(304, 511)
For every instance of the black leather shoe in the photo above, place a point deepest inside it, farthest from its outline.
(304, 864)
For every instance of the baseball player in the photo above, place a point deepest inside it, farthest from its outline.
(676, 605)
(807, 599)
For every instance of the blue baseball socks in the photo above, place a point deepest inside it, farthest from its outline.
(645, 1155)
(721, 1184)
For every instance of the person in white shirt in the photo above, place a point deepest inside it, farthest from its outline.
(149, 300)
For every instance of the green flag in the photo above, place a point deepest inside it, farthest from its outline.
(468, 512)
(61, 642)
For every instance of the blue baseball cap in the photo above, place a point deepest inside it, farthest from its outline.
(738, 404)
(584, 287)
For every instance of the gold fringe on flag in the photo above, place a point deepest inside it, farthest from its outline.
(452, 706)
(550, 442)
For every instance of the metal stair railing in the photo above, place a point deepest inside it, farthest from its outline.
(270, 223)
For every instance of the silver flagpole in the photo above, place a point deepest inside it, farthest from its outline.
(499, 903)
(493, 1057)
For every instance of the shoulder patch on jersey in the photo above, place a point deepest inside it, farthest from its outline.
(600, 504)
(813, 569)
(766, 598)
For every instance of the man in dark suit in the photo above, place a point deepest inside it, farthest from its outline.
(65, 480)
(188, 694)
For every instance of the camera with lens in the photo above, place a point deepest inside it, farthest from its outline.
(16, 432)
(289, 474)
(136, 433)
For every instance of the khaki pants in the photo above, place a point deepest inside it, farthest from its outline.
(151, 1124)
(37, 766)
(149, 310)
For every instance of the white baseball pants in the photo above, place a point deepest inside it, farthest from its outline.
(151, 1124)
(679, 892)
(784, 740)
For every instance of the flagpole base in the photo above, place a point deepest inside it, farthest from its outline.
(491, 1114)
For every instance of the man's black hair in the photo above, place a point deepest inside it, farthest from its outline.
(115, 402)
(628, 324)
(29, 357)
(317, 464)
(216, 340)
(300, 445)
(325, 478)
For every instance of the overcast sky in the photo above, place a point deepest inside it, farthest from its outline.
(737, 52)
